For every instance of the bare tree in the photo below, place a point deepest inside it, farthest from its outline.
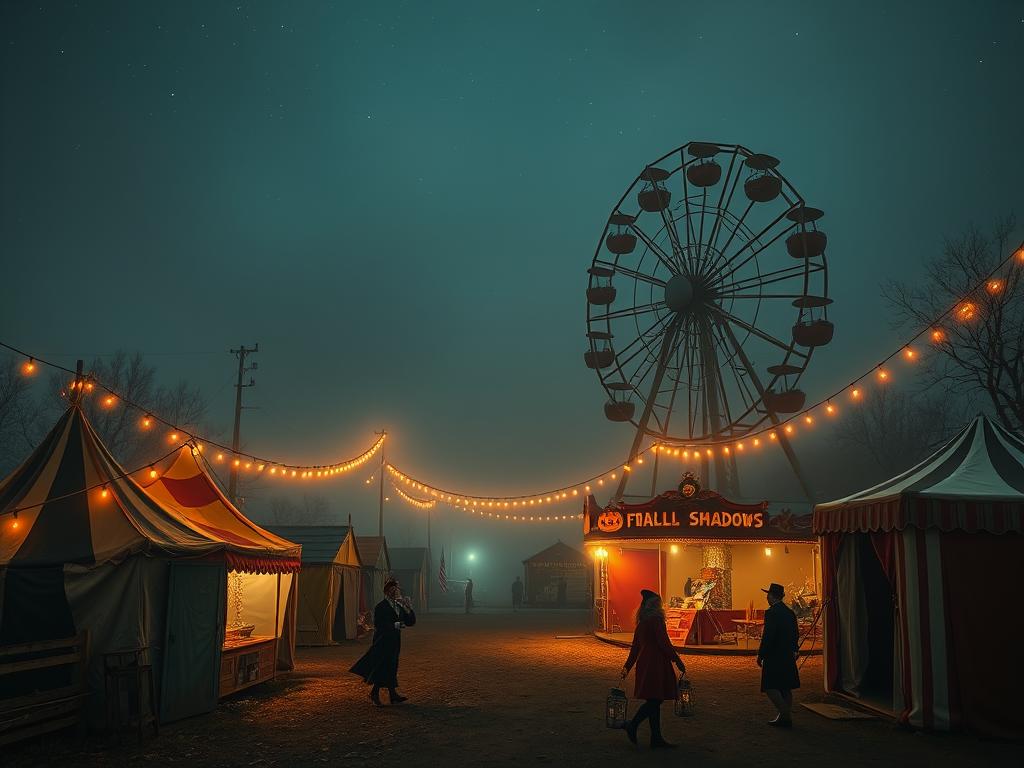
(897, 429)
(18, 415)
(28, 409)
(980, 345)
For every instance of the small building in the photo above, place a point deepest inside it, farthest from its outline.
(558, 576)
(709, 558)
(376, 560)
(411, 566)
(330, 582)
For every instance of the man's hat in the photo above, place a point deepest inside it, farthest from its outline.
(646, 594)
(775, 590)
(390, 583)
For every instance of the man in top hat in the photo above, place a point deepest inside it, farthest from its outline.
(379, 665)
(777, 656)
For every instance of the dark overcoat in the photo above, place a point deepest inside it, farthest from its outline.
(653, 655)
(379, 665)
(779, 642)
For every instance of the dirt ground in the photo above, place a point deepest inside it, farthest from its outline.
(498, 689)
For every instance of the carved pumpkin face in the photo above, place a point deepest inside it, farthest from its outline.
(609, 521)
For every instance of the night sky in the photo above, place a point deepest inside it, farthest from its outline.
(399, 202)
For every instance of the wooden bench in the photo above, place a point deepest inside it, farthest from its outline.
(43, 711)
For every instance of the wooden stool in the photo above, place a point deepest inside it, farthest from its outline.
(126, 669)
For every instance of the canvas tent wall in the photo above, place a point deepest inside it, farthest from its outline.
(411, 566)
(84, 547)
(945, 539)
(329, 583)
(376, 560)
(544, 570)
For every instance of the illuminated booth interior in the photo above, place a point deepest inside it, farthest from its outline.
(708, 557)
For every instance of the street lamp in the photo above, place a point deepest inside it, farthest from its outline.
(471, 557)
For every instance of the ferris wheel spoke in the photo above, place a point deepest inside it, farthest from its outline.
(673, 237)
(778, 275)
(735, 229)
(731, 296)
(641, 341)
(619, 269)
(655, 249)
(757, 250)
(748, 399)
(630, 312)
(763, 335)
(716, 229)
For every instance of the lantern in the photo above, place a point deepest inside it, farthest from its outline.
(685, 698)
(615, 708)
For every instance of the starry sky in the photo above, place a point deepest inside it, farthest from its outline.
(399, 201)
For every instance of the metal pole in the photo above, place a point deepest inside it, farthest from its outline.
(380, 516)
(241, 353)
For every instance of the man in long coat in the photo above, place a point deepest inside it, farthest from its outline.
(379, 665)
(777, 656)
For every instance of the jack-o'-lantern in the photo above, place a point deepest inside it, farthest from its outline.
(689, 486)
(609, 521)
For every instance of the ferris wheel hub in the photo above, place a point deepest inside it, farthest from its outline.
(680, 293)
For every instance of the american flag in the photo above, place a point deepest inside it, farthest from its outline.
(442, 580)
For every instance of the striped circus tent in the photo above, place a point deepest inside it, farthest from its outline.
(84, 546)
(918, 572)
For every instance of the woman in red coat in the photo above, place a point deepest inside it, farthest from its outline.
(653, 655)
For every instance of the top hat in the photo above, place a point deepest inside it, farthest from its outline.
(775, 590)
(646, 594)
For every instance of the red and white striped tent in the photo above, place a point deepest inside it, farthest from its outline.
(136, 559)
(921, 574)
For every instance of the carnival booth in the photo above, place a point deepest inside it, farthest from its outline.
(411, 566)
(259, 630)
(329, 584)
(708, 557)
(920, 572)
(376, 560)
(558, 576)
(84, 547)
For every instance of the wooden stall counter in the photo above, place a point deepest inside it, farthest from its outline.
(246, 661)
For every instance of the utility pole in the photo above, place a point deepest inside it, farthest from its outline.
(380, 516)
(241, 353)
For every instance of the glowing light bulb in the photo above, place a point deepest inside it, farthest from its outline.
(830, 409)
(773, 436)
(152, 473)
(855, 393)
(938, 336)
(757, 442)
(994, 286)
(108, 401)
(789, 429)
(146, 422)
(104, 493)
(883, 375)
(808, 419)
(909, 353)
(28, 367)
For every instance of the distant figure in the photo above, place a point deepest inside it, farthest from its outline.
(688, 587)
(517, 594)
(469, 594)
(653, 655)
(777, 656)
(563, 587)
(379, 665)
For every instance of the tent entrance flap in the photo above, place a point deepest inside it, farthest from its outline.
(195, 631)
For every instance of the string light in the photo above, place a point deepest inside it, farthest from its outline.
(909, 353)
(994, 286)
(883, 375)
(938, 335)
(29, 367)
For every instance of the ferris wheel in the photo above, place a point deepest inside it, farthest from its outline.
(706, 298)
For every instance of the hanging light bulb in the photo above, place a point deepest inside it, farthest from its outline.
(28, 367)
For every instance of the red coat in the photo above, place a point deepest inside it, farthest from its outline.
(653, 654)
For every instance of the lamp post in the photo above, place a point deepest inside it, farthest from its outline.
(471, 558)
